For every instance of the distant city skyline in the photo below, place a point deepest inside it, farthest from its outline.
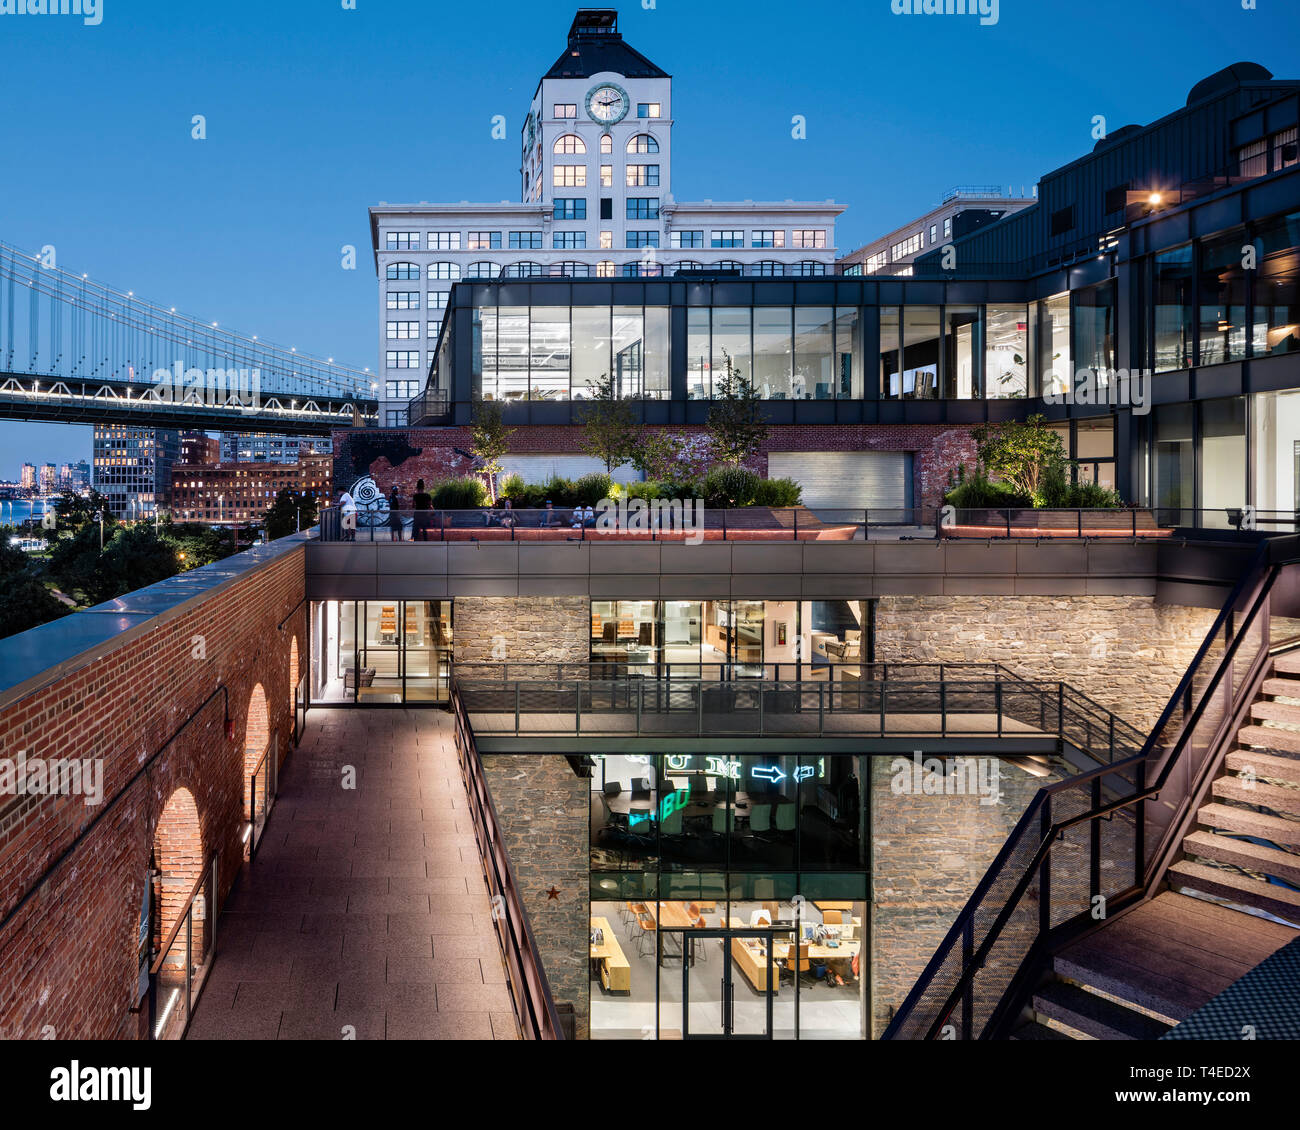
(329, 112)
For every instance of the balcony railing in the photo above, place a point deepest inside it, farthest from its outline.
(182, 962)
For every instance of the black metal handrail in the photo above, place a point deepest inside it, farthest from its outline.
(1251, 594)
(534, 1003)
(185, 920)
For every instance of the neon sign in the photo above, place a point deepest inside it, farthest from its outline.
(673, 802)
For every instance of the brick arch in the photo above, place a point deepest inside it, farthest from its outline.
(294, 675)
(257, 736)
(177, 864)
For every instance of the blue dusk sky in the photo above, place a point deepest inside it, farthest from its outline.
(316, 111)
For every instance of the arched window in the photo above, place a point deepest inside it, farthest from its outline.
(482, 270)
(444, 271)
(569, 270)
(606, 143)
(688, 265)
(807, 268)
(642, 143)
(768, 269)
(524, 270)
(404, 271)
(730, 265)
(604, 269)
(569, 143)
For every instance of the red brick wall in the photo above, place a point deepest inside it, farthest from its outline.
(937, 449)
(68, 958)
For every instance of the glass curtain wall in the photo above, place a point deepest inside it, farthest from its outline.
(1173, 471)
(1223, 460)
(1093, 322)
(1006, 355)
(1223, 300)
(1172, 289)
(381, 651)
(729, 896)
(561, 352)
(1275, 459)
(1055, 372)
(1276, 325)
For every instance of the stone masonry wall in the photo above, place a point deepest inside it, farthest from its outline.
(544, 808)
(1126, 652)
(928, 854)
(525, 629)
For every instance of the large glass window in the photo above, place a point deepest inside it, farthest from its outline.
(890, 367)
(1094, 330)
(1055, 372)
(699, 367)
(961, 325)
(848, 352)
(1275, 460)
(549, 353)
(1006, 353)
(1223, 296)
(814, 328)
(920, 376)
(1173, 473)
(1223, 460)
(1277, 288)
(381, 651)
(773, 356)
(731, 341)
(1172, 308)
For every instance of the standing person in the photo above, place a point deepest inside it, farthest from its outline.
(348, 514)
(422, 504)
(395, 514)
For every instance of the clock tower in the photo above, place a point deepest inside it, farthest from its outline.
(597, 141)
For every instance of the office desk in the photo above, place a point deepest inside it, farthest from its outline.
(615, 972)
(833, 905)
(745, 956)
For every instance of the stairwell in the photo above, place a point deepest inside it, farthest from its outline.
(1228, 903)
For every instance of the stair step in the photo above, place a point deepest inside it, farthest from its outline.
(1268, 737)
(1224, 849)
(1253, 792)
(1288, 663)
(1038, 1032)
(1264, 765)
(1268, 897)
(1228, 819)
(1275, 712)
(1094, 1015)
(1287, 688)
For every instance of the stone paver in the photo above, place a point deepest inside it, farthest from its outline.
(365, 915)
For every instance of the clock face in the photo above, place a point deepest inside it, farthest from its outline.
(607, 104)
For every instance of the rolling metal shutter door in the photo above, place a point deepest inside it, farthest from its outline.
(873, 480)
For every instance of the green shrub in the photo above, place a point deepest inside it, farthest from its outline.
(512, 487)
(777, 492)
(1092, 496)
(648, 490)
(459, 494)
(976, 491)
(1053, 486)
(590, 489)
(729, 486)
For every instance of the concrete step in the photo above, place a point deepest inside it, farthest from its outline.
(1038, 1032)
(1095, 1016)
(1247, 823)
(1240, 889)
(1269, 737)
(1264, 765)
(1276, 712)
(1288, 663)
(1255, 857)
(1255, 792)
(1287, 688)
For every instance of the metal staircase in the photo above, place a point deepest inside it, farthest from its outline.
(1130, 895)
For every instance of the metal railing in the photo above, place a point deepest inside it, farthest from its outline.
(856, 702)
(262, 787)
(178, 973)
(1024, 521)
(539, 1019)
(677, 523)
(1105, 837)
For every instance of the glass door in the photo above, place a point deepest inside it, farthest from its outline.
(732, 998)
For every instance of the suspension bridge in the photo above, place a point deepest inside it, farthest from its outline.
(75, 351)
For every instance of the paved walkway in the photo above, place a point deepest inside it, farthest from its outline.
(365, 913)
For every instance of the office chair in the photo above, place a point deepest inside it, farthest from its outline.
(640, 788)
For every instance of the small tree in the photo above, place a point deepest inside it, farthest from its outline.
(656, 455)
(489, 442)
(735, 424)
(1024, 456)
(289, 513)
(609, 429)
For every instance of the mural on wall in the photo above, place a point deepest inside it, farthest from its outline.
(355, 456)
(372, 506)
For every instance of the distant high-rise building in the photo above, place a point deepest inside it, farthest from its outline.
(48, 478)
(74, 476)
(241, 492)
(261, 447)
(199, 447)
(29, 476)
(133, 466)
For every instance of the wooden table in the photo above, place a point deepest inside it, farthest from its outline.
(755, 966)
(615, 972)
(833, 905)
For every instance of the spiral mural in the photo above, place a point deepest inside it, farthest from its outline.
(372, 506)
